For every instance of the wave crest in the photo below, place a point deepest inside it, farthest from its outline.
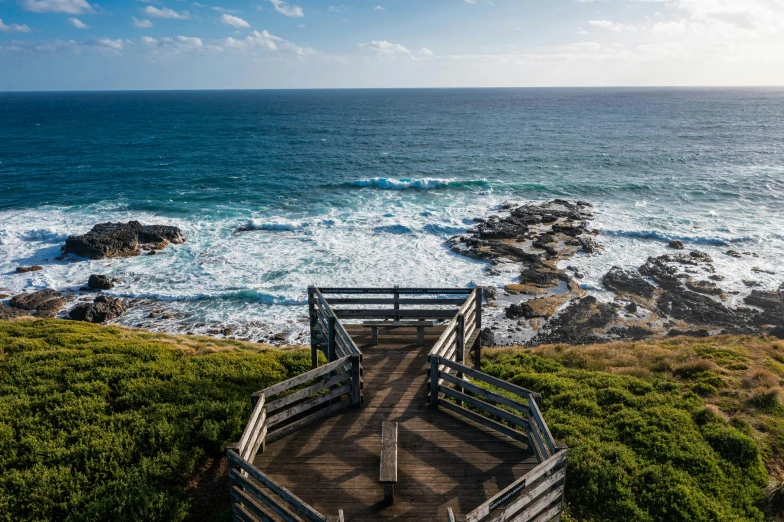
(415, 183)
(665, 236)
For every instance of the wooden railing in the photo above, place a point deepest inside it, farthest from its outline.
(512, 411)
(277, 411)
(462, 333)
(326, 331)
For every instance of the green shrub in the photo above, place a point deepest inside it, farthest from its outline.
(101, 423)
(731, 444)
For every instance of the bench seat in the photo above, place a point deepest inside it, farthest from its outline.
(388, 468)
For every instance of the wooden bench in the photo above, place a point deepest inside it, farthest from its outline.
(388, 475)
(390, 325)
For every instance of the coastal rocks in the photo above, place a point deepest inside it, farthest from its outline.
(658, 269)
(100, 282)
(102, 309)
(8, 314)
(578, 322)
(121, 239)
(677, 244)
(544, 307)
(763, 299)
(704, 287)
(43, 303)
(696, 308)
(25, 269)
(627, 282)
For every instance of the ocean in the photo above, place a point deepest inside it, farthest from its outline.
(364, 187)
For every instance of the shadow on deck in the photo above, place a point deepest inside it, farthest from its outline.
(443, 461)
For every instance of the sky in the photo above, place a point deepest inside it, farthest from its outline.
(255, 44)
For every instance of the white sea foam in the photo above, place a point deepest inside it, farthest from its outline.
(404, 183)
(276, 226)
(661, 235)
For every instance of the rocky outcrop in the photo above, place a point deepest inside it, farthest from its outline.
(627, 282)
(578, 323)
(101, 282)
(7, 313)
(659, 269)
(763, 299)
(704, 287)
(696, 309)
(43, 303)
(102, 309)
(677, 244)
(121, 239)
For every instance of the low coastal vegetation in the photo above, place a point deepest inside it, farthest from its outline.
(680, 430)
(107, 423)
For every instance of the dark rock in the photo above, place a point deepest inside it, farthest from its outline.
(733, 253)
(7, 314)
(631, 308)
(716, 277)
(675, 243)
(765, 299)
(543, 277)
(102, 309)
(627, 281)
(588, 245)
(751, 284)
(489, 293)
(756, 270)
(704, 287)
(696, 308)
(25, 269)
(152, 253)
(515, 311)
(657, 269)
(120, 239)
(43, 303)
(688, 333)
(574, 325)
(701, 256)
(777, 332)
(100, 282)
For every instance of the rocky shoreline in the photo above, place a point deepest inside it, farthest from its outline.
(671, 294)
(538, 245)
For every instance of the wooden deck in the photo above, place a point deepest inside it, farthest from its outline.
(443, 461)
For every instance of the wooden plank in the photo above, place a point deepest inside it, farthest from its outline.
(356, 379)
(489, 379)
(284, 415)
(303, 378)
(260, 503)
(487, 394)
(540, 505)
(417, 291)
(301, 394)
(450, 516)
(369, 313)
(497, 426)
(338, 518)
(388, 471)
(294, 426)
(528, 497)
(258, 442)
(548, 437)
(488, 408)
(450, 328)
(400, 324)
(252, 422)
(529, 478)
(242, 514)
(541, 450)
(381, 301)
(434, 383)
(246, 452)
(550, 514)
(276, 488)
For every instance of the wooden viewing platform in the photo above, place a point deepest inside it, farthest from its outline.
(313, 449)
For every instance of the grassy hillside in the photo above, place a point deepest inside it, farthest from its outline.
(104, 423)
(675, 430)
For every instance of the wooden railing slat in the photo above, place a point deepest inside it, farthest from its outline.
(384, 300)
(493, 381)
(418, 291)
(242, 514)
(303, 378)
(528, 497)
(258, 408)
(550, 514)
(301, 394)
(370, 313)
(276, 488)
(489, 408)
(260, 503)
(307, 405)
(320, 414)
(487, 394)
(537, 507)
(497, 426)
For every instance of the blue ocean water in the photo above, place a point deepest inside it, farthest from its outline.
(346, 187)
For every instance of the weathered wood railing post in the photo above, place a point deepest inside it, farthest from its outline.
(397, 303)
(332, 338)
(356, 380)
(478, 344)
(434, 382)
(313, 321)
(460, 351)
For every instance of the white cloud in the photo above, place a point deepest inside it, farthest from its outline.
(426, 52)
(287, 9)
(607, 24)
(107, 43)
(165, 12)
(391, 50)
(57, 6)
(379, 8)
(14, 28)
(337, 8)
(173, 45)
(262, 40)
(141, 24)
(78, 23)
(236, 21)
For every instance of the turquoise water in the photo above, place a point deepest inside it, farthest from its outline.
(351, 187)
